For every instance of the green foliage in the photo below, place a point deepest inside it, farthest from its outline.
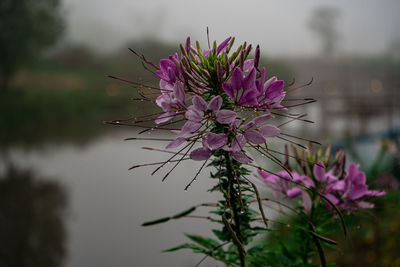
(26, 28)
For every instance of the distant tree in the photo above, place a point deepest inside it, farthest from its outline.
(323, 23)
(26, 28)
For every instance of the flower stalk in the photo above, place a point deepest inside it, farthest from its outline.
(219, 104)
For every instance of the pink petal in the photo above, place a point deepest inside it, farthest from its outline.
(293, 192)
(200, 154)
(338, 186)
(228, 90)
(249, 81)
(193, 114)
(269, 131)
(352, 171)
(254, 137)
(248, 65)
(216, 141)
(236, 80)
(275, 89)
(263, 174)
(179, 92)
(238, 142)
(249, 97)
(375, 193)
(307, 202)
(215, 103)
(307, 181)
(268, 83)
(258, 121)
(224, 45)
(241, 157)
(164, 117)
(365, 205)
(190, 127)
(199, 103)
(358, 191)
(332, 198)
(177, 142)
(319, 171)
(206, 52)
(225, 116)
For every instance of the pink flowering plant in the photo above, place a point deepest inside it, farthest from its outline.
(220, 106)
(314, 184)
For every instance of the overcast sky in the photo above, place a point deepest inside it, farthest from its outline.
(280, 27)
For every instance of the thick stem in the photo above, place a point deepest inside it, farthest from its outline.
(235, 205)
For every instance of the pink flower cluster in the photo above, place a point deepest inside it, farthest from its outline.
(349, 192)
(187, 90)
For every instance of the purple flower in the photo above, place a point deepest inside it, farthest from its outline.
(348, 193)
(221, 47)
(201, 111)
(168, 70)
(256, 132)
(210, 143)
(242, 89)
(270, 93)
(172, 100)
(285, 185)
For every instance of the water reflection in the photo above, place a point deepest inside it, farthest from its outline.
(108, 203)
(32, 219)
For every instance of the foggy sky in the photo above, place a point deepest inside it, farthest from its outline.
(280, 27)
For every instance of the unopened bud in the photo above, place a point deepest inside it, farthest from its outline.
(183, 50)
(257, 57)
(230, 45)
(241, 59)
(214, 48)
(247, 52)
(235, 54)
(187, 45)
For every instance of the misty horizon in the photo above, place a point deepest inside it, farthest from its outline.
(106, 26)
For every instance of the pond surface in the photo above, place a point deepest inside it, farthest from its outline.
(107, 203)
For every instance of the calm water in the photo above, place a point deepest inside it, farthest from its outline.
(108, 203)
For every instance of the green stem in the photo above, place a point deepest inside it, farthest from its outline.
(315, 239)
(235, 203)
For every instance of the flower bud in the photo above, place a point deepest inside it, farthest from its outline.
(257, 57)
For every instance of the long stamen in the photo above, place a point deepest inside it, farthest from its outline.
(179, 161)
(197, 174)
(154, 163)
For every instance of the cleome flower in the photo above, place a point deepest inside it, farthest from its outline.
(213, 100)
(348, 193)
(285, 185)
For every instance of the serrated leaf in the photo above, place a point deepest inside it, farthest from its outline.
(222, 235)
(203, 241)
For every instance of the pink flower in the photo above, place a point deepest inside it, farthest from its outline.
(348, 193)
(242, 89)
(270, 93)
(284, 184)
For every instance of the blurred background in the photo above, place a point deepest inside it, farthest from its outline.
(66, 196)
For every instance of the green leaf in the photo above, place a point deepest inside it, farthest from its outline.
(203, 241)
(184, 213)
(222, 235)
(193, 247)
(165, 219)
